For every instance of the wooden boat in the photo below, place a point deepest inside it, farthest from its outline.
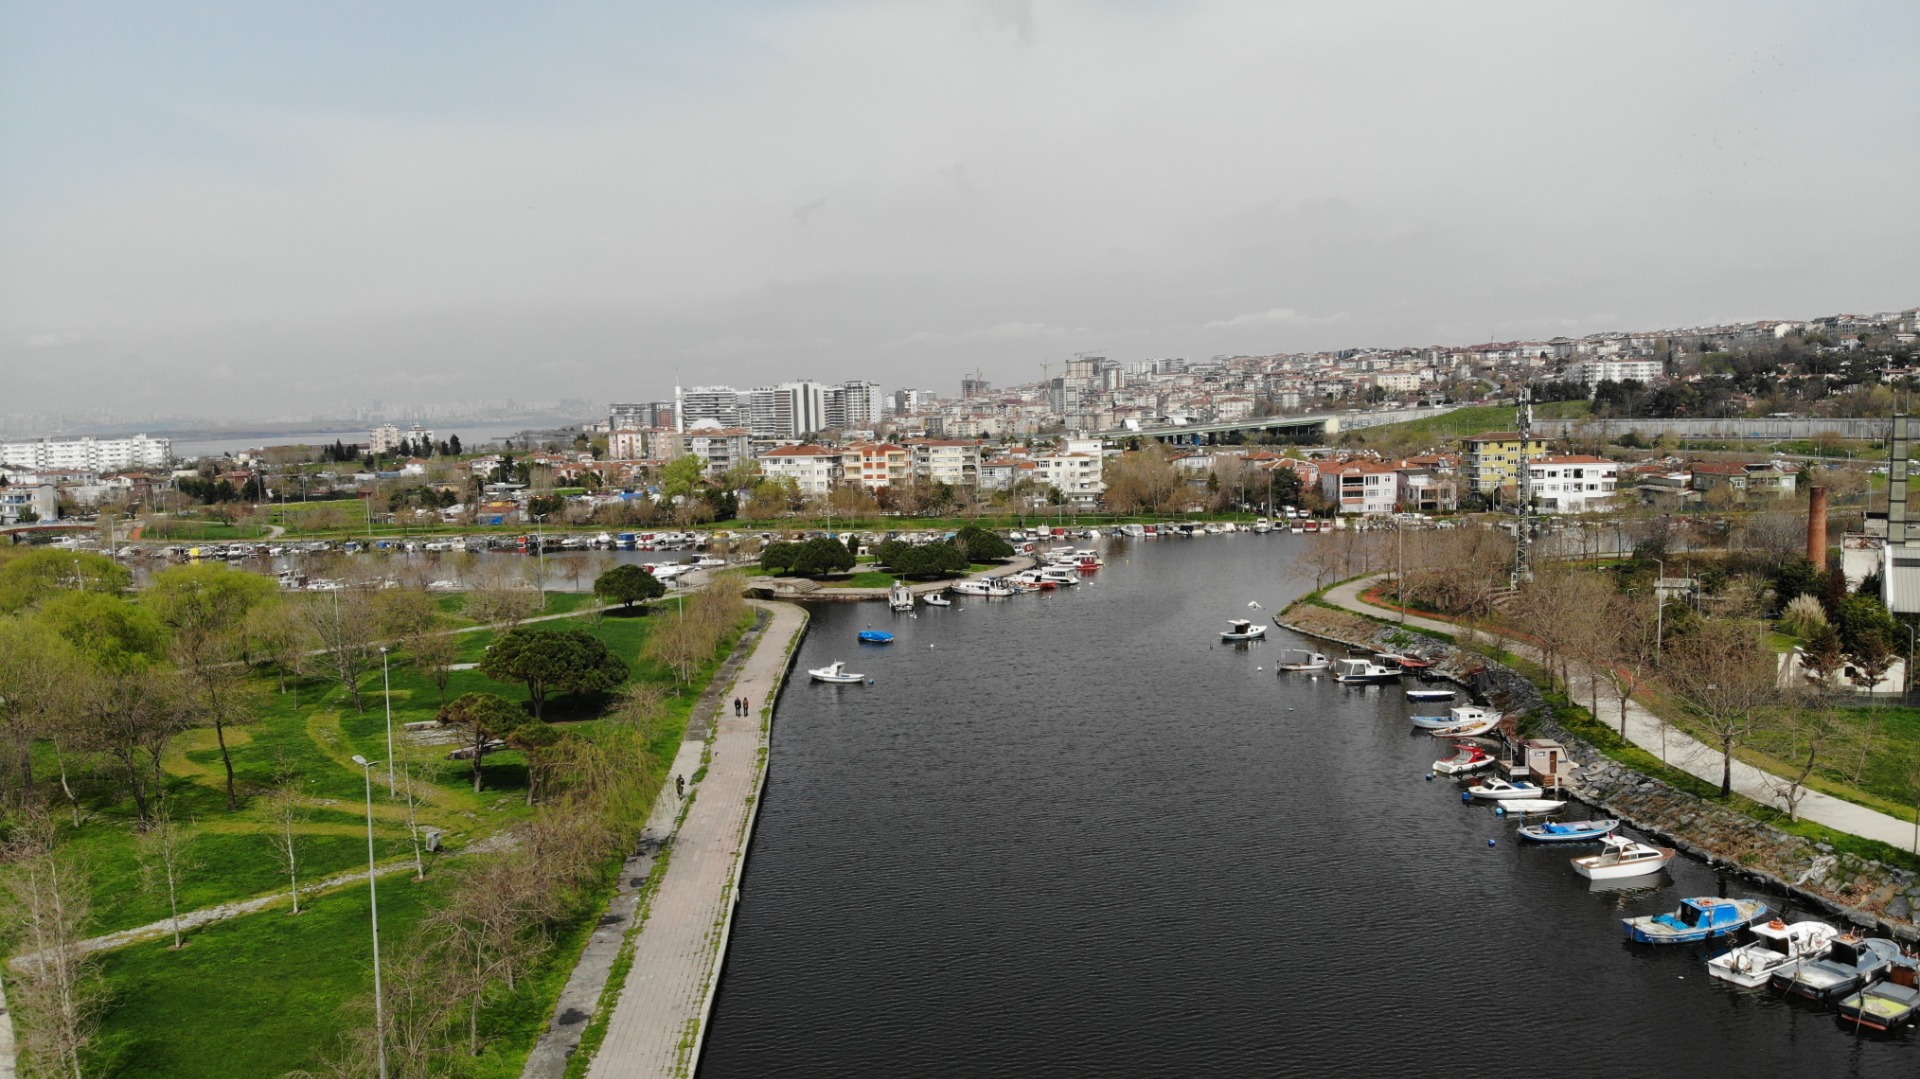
(1308, 661)
(1467, 728)
(1886, 1004)
(1850, 965)
(1775, 945)
(835, 672)
(875, 636)
(1697, 918)
(1499, 789)
(1361, 672)
(1579, 831)
(1463, 716)
(1404, 661)
(1239, 629)
(1470, 758)
(1623, 857)
(1430, 694)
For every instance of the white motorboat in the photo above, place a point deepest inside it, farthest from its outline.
(1299, 659)
(1468, 758)
(1529, 805)
(1775, 946)
(900, 598)
(1239, 629)
(1059, 577)
(972, 588)
(1460, 715)
(936, 599)
(836, 672)
(1362, 672)
(1468, 728)
(1622, 857)
(1430, 694)
(1500, 790)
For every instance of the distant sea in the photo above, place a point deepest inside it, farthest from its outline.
(217, 443)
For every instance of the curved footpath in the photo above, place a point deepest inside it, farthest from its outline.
(1646, 730)
(657, 1024)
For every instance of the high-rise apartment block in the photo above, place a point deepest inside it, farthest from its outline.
(88, 454)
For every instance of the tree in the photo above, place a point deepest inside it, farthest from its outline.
(276, 633)
(778, 558)
(287, 812)
(821, 556)
(344, 624)
(1727, 679)
(434, 655)
(486, 718)
(206, 608)
(930, 560)
(980, 545)
(37, 668)
(53, 985)
(571, 660)
(1823, 658)
(627, 584)
(163, 857)
(31, 577)
(682, 476)
(1809, 731)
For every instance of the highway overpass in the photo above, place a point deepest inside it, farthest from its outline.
(1327, 423)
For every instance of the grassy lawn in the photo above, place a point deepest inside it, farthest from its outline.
(175, 528)
(1477, 419)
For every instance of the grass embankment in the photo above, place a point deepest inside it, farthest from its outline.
(268, 992)
(198, 528)
(1476, 419)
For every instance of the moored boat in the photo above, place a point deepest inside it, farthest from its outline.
(1528, 805)
(1299, 659)
(1579, 831)
(1775, 946)
(1886, 1004)
(1469, 719)
(1500, 789)
(936, 599)
(1469, 758)
(1623, 857)
(1697, 918)
(835, 672)
(1851, 964)
(1240, 629)
(1467, 728)
(875, 636)
(972, 588)
(1361, 672)
(1430, 694)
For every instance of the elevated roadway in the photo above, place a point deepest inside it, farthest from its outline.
(1328, 423)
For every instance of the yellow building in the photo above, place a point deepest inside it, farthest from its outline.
(1493, 460)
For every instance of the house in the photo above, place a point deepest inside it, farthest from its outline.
(875, 465)
(1366, 487)
(1427, 485)
(1578, 483)
(1756, 478)
(814, 470)
(1493, 460)
(35, 502)
(1075, 474)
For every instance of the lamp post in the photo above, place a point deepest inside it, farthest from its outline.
(373, 900)
(386, 692)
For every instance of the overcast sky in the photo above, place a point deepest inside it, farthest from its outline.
(242, 207)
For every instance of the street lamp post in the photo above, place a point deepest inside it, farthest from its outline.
(373, 901)
(386, 692)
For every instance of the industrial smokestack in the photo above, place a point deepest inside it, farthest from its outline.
(1817, 525)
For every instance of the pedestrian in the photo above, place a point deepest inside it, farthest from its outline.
(680, 786)
(745, 708)
(736, 706)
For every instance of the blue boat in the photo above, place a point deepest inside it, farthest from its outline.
(1698, 919)
(1579, 831)
(874, 636)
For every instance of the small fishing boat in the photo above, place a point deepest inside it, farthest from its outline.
(1578, 831)
(1528, 805)
(1299, 659)
(1850, 965)
(875, 636)
(835, 672)
(972, 588)
(1465, 715)
(1623, 857)
(937, 599)
(1500, 789)
(1239, 629)
(1361, 672)
(1430, 694)
(1467, 728)
(1404, 661)
(1775, 945)
(900, 597)
(1470, 758)
(1698, 918)
(1886, 1004)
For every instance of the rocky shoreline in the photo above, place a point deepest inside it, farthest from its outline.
(1869, 894)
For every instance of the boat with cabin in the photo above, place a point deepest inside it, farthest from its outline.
(1461, 715)
(1495, 790)
(1623, 857)
(936, 599)
(1467, 758)
(1299, 659)
(1697, 918)
(1775, 946)
(1885, 1005)
(1240, 629)
(1363, 672)
(1578, 831)
(972, 588)
(835, 672)
(900, 597)
(1850, 965)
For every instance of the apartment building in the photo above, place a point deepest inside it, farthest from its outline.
(387, 437)
(1361, 487)
(1074, 469)
(951, 461)
(875, 465)
(1594, 372)
(1493, 460)
(89, 454)
(1573, 484)
(720, 447)
(815, 470)
(721, 404)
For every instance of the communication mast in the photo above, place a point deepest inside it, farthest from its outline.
(1523, 509)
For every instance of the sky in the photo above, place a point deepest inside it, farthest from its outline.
(251, 209)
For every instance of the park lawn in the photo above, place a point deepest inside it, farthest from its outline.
(194, 529)
(870, 579)
(257, 996)
(1476, 419)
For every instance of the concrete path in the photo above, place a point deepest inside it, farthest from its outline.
(1678, 749)
(660, 1019)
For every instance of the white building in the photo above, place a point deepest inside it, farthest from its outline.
(1076, 474)
(1361, 487)
(722, 404)
(815, 470)
(955, 462)
(1575, 484)
(88, 454)
(1594, 372)
(40, 500)
(720, 447)
(386, 438)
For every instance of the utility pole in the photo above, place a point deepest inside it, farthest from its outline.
(1523, 512)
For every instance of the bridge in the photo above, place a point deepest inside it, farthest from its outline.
(1328, 423)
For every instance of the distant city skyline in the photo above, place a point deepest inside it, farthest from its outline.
(236, 210)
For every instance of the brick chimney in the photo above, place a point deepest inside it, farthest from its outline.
(1817, 525)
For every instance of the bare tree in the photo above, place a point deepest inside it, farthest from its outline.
(1809, 731)
(56, 992)
(129, 716)
(344, 625)
(288, 812)
(434, 655)
(1726, 678)
(164, 858)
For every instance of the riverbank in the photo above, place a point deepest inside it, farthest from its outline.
(1863, 891)
(658, 1021)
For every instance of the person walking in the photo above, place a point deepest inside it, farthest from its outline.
(680, 786)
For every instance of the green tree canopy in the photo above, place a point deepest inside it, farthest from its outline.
(32, 577)
(628, 584)
(930, 560)
(569, 660)
(682, 475)
(486, 718)
(779, 557)
(110, 632)
(822, 555)
(980, 545)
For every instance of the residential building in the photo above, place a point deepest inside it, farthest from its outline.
(1573, 484)
(631, 444)
(875, 465)
(1428, 484)
(89, 454)
(1074, 469)
(720, 447)
(39, 500)
(1756, 478)
(1005, 473)
(387, 437)
(951, 461)
(1594, 372)
(1493, 460)
(1361, 486)
(723, 405)
(815, 470)
(856, 406)
(912, 402)
(634, 417)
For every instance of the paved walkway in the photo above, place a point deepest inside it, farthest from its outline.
(1678, 749)
(659, 1021)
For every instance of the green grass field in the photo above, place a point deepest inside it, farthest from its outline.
(1477, 419)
